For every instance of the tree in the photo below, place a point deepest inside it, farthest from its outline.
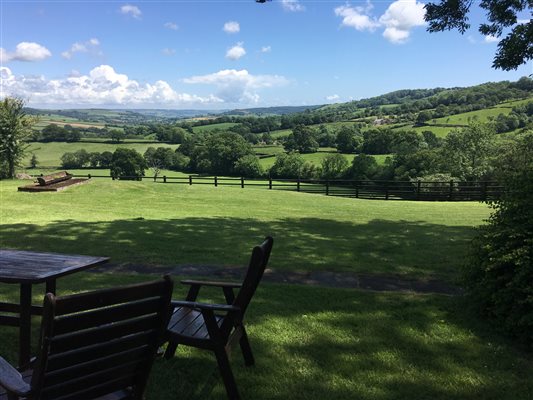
(117, 135)
(248, 166)
(334, 166)
(348, 140)
(364, 167)
(467, 153)
(15, 129)
(223, 150)
(33, 161)
(287, 166)
(127, 164)
(499, 274)
(302, 139)
(513, 50)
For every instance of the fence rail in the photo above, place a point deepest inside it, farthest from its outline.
(382, 190)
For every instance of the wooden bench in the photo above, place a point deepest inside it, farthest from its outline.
(54, 178)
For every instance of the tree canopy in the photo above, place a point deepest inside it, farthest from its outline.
(515, 49)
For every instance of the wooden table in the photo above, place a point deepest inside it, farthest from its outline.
(28, 268)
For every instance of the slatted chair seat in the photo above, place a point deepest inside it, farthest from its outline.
(188, 322)
(97, 345)
(217, 327)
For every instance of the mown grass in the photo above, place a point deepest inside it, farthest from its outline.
(316, 343)
(156, 223)
(49, 154)
(465, 118)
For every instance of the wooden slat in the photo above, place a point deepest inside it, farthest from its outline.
(9, 320)
(71, 341)
(91, 319)
(138, 354)
(107, 297)
(93, 352)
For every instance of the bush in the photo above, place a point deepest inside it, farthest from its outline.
(249, 167)
(334, 166)
(499, 277)
(127, 164)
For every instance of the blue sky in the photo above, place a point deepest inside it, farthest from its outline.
(227, 54)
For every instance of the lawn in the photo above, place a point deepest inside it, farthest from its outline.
(161, 224)
(316, 343)
(207, 128)
(309, 342)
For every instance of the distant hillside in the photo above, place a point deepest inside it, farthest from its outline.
(279, 110)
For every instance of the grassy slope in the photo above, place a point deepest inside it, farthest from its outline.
(206, 128)
(143, 222)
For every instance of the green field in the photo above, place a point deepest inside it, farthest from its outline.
(49, 154)
(207, 128)
(156, 223)
(466, 118)
(310, 343)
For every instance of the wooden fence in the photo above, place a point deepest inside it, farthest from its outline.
(382, 190)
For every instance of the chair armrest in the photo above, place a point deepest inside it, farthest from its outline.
(11, 380)
(211, 283)
(205, 306)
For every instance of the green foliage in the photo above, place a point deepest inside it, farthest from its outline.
(223, 150)
(117, 135)
(334, 166)
(467, 153)
(78, 159)
(364, 167)
(349, 139)
(302, 139)
(55, 133)
(127, 164)
(15, 130)
(292, 166)
(499, 275)
(33, 161)
(249, 167)
(513, 50)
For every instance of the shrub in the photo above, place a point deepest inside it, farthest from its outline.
(334, 166)
(248, 166)
(499, 277)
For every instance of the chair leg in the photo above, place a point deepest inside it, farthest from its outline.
(171, 350)
(246, 349)
(227, 374)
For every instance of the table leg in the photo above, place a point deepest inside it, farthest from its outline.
(51, 286)
(25, 324)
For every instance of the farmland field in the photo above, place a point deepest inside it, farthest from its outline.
(49, 154)
(207, 128)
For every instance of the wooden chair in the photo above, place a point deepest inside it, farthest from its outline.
(96, 345)
(217, 327)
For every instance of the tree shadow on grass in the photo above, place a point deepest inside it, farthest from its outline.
(417, 249)
(320, 343)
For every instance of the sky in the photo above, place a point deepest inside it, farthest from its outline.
(215, 54)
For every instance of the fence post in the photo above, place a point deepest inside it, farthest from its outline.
(270, 182)
(242, 182)
(451, 191)
(89, 176)
(356, 190)
(216, 181)
(298, 185)
(190, 179)
(386, 190)
(327, 187)
(418, 185)
(164, 179)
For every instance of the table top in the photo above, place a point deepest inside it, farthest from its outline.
(18, 266)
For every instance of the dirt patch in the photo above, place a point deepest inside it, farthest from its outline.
(374, 282)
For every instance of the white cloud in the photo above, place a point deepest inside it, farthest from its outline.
(523, 21)
(491, 39)
(398, 20)
(266, 49)
(236, 52)
(82, 47)
(102, 86)
(168, 52)
(333, 97)
(25, 51)
(292, 5)
(357, 17)
(231, 27)
(235, 86)
(130, 10)
(171, 25)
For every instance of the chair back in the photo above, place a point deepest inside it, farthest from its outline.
(256, 268)
(97, 343)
